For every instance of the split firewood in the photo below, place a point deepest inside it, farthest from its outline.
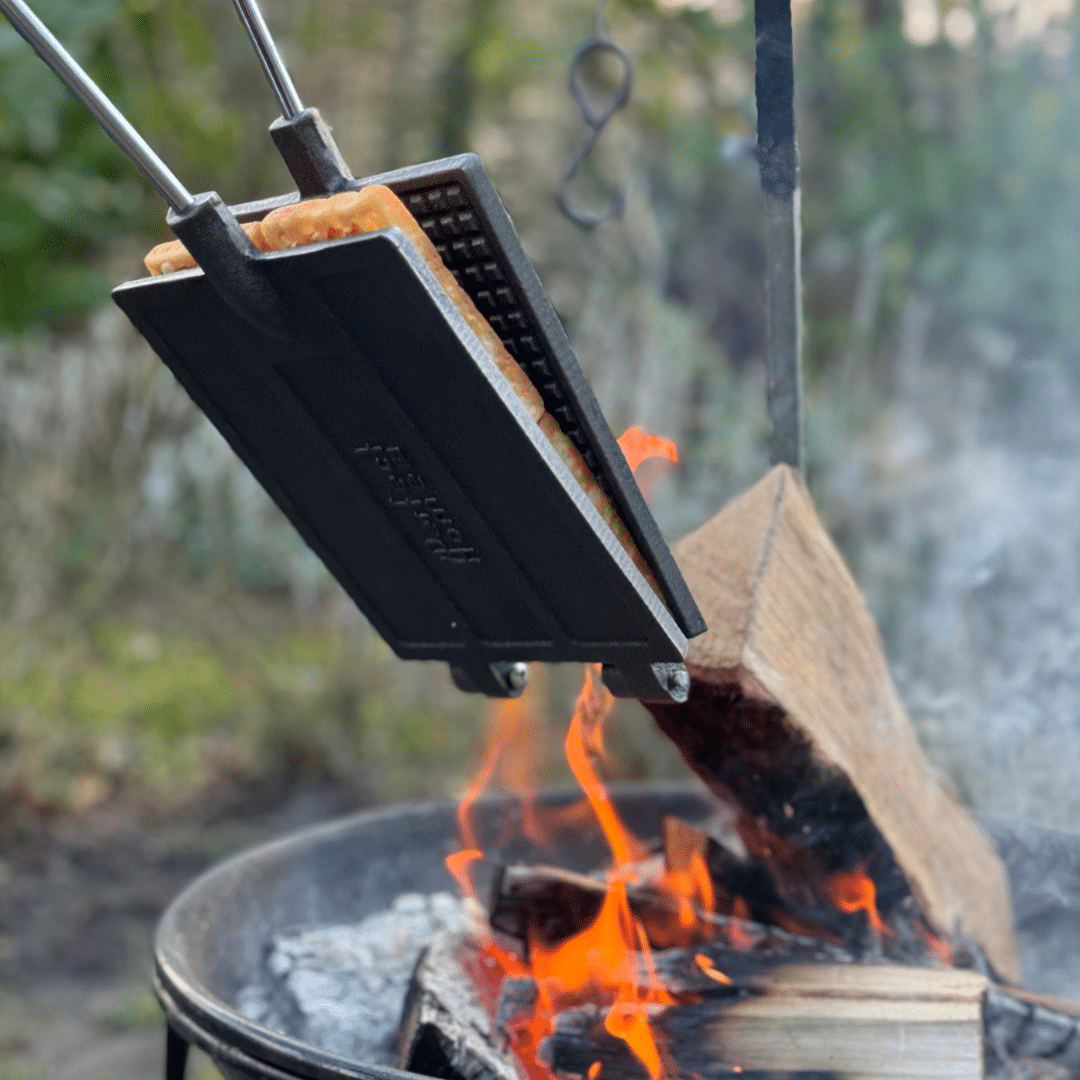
(445, 1030)
(793, 718)
(854, 1020)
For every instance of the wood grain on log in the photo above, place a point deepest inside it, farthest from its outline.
(794, 717)
(857, 1020)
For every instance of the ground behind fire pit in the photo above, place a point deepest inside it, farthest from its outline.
(78, 905)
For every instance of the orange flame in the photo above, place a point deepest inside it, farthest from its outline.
(710, 969)
(638, 447)
(502, 736)
(611, 960)
(511, 748)
(693, 889)
(855, 891)
(604, 954)
(585, 740)
(514, 750)
(458, 865)
(938, 946)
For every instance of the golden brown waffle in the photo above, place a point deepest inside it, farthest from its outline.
(172, 255)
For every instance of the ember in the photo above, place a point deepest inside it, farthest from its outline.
(854, 891)
(650, 457)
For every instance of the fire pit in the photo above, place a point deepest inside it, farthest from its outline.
(213, 940)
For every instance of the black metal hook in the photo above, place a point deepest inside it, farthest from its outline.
(596, 118)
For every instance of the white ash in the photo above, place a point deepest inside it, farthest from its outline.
(341, 988)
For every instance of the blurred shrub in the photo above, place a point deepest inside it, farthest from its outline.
(66, 192)
(173, 709)
(945, 167)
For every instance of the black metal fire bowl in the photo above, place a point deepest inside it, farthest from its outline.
(213, 937)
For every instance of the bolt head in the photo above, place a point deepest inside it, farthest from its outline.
(679, 681)
(517, 676)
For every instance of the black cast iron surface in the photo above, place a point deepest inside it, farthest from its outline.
(211, 941)
(353, 389)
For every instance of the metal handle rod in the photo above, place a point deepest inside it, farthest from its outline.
(273, 65)
(778, 160)
(116, 125)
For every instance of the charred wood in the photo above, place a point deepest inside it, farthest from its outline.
(793, 719)
(445, 1030)
(1025, 1026)
(546, 905)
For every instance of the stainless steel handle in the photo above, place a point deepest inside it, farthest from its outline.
(273, 65)
(116, 125)
(301, 136)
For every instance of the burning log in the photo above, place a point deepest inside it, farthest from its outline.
(793, 718)
(866, 1020)
(755, 996)
(547, 904)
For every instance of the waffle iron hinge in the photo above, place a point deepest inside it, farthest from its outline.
(660, 683)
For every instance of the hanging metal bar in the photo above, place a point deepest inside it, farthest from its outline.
(116, 125)
(273, 65)
(778, 160)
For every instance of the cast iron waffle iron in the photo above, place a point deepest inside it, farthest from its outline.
(350, 384)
